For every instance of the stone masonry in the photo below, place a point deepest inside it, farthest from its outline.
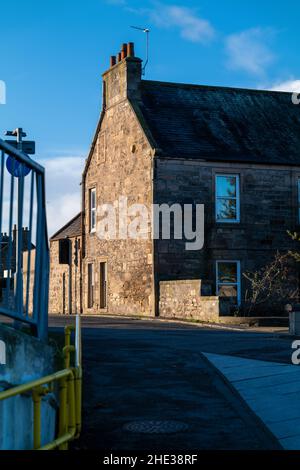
(182, 299)
(59, 284)
(65, 293)
(268, 207)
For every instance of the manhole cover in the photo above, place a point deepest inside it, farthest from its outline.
(156, 427)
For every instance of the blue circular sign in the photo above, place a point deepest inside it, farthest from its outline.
(16, 168)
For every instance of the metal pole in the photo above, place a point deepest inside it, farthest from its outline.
(36, 396)
(70, 278)
(18, 281)
(75, 280)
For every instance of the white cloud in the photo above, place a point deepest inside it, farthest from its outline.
(191, 27)
(288, 85)
(250, 50)
(63, 190)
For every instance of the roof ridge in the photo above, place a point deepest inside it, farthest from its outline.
(214, 87)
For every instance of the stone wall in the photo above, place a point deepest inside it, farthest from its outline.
(59, 281)
(121, 165)
(182, 299)
(26, 359)
(268, 208)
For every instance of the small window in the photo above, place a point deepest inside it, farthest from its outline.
(91, 281)
(103, 285)
(93, 210)
(227, 198)
(228, 281)
(64, 251)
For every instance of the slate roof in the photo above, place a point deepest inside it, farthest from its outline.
(223, 124)
(71, 229)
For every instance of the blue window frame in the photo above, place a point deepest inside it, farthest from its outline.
(227, 202)
(228, 281)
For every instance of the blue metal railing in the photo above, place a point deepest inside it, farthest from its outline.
(24, 251)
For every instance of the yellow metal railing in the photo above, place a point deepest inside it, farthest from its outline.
(70, 384)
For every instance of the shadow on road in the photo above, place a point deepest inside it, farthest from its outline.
(136, 372)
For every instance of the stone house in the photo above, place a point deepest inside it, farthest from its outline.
(65, 291)
(8, 263)
(235, 151)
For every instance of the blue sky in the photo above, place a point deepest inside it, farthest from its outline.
(54, 52)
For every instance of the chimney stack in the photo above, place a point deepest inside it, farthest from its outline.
(123, 78)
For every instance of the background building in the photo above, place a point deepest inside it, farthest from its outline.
(65, 294)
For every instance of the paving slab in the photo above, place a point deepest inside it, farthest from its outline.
(271, 390)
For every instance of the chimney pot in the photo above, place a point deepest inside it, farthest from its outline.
(130, 49)
(124, 51)
(119, 56)
(112, 60)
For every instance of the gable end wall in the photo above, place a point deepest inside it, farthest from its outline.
(121, 165)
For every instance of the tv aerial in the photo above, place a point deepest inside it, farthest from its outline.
(146, 31)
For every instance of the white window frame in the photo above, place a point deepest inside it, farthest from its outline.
(92, 210)
(237, 284)
(237, 198)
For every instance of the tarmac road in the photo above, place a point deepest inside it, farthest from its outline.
(136, 371)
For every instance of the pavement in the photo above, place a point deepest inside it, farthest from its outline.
(270, 389)
(142, 377)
